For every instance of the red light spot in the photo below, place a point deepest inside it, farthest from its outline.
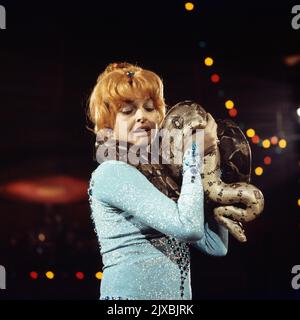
(267, 160)
(33, 275)
(232, 112)
(215, 78)
(79, 275)
(255, 139)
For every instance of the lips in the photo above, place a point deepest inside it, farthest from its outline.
(142, 129)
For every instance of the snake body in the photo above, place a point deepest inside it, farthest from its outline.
(236, 202)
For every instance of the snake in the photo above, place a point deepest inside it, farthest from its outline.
(226, 172)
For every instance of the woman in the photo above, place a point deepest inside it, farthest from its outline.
(143, 234)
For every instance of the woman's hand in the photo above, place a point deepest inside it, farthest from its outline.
(210, 135)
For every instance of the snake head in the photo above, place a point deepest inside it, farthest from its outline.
(183, 119)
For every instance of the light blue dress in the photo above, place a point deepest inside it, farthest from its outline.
(144, 236)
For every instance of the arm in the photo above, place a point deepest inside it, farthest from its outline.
(215, 237)
(122, 186)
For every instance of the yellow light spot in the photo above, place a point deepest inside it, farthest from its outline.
(98, 275)
(259, 171)
(229, 104)
(41, 237)
(50, 275)
(250, 133)
(299, 202)
(266, 143)
(282, 143)
(208, 61)
(189, 6)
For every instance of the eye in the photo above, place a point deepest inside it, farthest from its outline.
(127, 109)
(149, 108)
(177, 122)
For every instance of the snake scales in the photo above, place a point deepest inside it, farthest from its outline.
(226, 172)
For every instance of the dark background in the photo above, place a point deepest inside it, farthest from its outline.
(50, 56)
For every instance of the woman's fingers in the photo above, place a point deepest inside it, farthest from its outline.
(210, 122)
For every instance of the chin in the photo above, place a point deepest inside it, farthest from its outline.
(142, 141)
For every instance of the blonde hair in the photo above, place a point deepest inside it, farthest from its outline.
(114, 86)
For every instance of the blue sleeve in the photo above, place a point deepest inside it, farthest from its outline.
(122, 186)
(213, 243)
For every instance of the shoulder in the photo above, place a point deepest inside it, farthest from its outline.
(112, 169)
(114, 179)
(111, 165)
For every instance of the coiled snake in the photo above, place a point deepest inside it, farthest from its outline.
(226, 172)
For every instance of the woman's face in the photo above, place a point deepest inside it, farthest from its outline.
(134, 115)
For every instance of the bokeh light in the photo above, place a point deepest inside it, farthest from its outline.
(255, 139)
(202, 44)
(79, 275)
(266, 143)
(233, 112)
(208, 61)
(278, 150)
(229, 104)
(189, 6)
(50, 275)
(41, 237)
(33, 275)
(250, 133)
(282, 143)
(215, 78)
(274, 140)
(267, 160)
(259, 171)
(98, 275)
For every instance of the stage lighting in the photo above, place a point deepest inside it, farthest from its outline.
(189, 6)
(208, 61)
(282, 143)
(50, 275)
(229, 104)
(267, 160)
(33, 275)
(266, 143)
(232, 112)
(250, 133)
(259, 171)
(79, 275)
(215, 78)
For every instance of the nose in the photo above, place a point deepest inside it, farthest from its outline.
(140, 115)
